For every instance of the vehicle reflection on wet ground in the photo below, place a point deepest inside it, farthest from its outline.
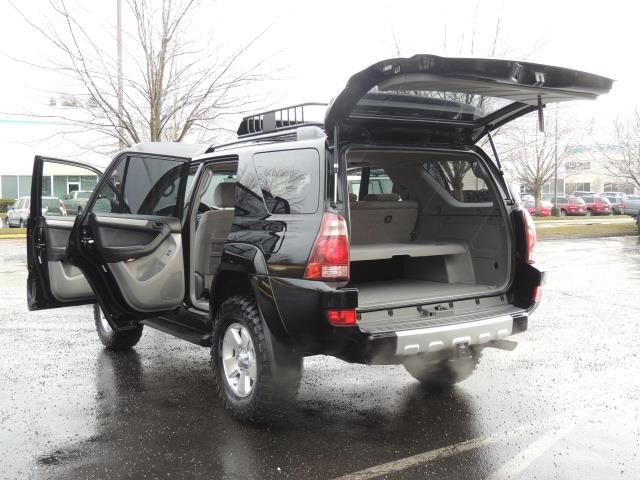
(564, 404)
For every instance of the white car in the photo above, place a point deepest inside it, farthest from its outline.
(17, 215)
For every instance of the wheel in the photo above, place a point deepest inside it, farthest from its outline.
(563, 213)
(638, 221)
(589, 212)
(123, 340)
(79, 210)
(439, 371)
(253, 384)
(21, 224)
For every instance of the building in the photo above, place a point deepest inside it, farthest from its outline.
(23, 137)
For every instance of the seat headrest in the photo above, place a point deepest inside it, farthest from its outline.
(382, 197)
(224, 195)
(353, 197)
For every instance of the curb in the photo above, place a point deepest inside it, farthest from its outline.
(14, 235)
(579, 235)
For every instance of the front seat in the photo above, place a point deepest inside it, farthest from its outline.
(211, 235)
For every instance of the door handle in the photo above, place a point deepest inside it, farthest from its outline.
(157, 225)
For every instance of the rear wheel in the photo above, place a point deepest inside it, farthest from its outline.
(589, 212)
(112, 339)
(254, 377)
(439, 371)
(563, 213)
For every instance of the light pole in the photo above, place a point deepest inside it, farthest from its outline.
(555, 211)
(119, 41)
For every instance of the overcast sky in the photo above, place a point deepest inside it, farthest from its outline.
(320, 44)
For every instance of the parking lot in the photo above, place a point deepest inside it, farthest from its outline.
(564, 404)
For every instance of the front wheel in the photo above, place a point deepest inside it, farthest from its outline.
(439, 371)
(112, 339)
(589, 212)
(563, 213)
(254, 377)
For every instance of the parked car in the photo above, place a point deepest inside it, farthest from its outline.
(545, 207)
(616, 200)
(597, 205)
(17, 215)
(266, 260)
(571, 206)
(76, 200)
(631, 205)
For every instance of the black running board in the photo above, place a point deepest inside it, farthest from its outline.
(192, 335)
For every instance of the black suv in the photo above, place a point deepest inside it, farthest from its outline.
(382, 234)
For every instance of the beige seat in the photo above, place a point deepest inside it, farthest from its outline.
(382, 218)
(211, 235)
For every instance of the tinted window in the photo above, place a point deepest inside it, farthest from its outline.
(143, 186)
(463, 179)
(289, 180)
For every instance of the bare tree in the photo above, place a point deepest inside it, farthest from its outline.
(624, 159)
(532, 155)
(176, 85)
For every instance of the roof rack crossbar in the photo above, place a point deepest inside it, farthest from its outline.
(275, 120)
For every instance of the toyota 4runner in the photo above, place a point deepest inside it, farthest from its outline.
(382, 234)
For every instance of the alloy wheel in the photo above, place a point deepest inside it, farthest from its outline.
(239, 360)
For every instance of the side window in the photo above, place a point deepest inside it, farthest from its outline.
(143, 186)
(289, 180)
(379, 181)
(216, 178)
(56, 198)
(464, 179)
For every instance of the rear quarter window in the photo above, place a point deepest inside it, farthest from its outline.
(289, 180)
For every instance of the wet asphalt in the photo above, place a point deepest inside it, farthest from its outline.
(564, 404)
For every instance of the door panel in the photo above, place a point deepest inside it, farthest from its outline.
(155, 281)
(128, 241)
(53, 281)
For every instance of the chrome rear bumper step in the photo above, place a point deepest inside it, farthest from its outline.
(434, 339)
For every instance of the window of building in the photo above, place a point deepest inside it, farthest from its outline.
(289, 180)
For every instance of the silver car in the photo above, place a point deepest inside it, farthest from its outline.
(17, 215)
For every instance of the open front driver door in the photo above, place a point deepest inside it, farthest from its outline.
(53, 281)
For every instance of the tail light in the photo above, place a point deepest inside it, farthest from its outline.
(530, 236)
(329, 258)
(342, 318)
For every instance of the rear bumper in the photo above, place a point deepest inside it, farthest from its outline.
(435, 339)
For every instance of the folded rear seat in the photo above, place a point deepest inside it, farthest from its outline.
(382, 218)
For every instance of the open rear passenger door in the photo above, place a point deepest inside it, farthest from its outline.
(53, 281)
(128, 239)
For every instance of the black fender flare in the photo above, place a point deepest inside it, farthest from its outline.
(243, 267)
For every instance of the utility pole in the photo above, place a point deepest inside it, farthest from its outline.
(120, 87)
(555, 211)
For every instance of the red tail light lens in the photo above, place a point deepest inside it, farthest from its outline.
(531, 238)
(342, 318)
(329, 259)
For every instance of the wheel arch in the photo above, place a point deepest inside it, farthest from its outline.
(242, 271)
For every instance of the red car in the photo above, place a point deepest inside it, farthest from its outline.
(571, 206)
(545, 208)
(597, 205)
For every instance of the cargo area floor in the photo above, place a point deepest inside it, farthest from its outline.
(403, 291)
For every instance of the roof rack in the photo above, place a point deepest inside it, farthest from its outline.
(286, 118)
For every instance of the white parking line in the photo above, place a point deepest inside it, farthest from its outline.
(515, 465)
(520, 462)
